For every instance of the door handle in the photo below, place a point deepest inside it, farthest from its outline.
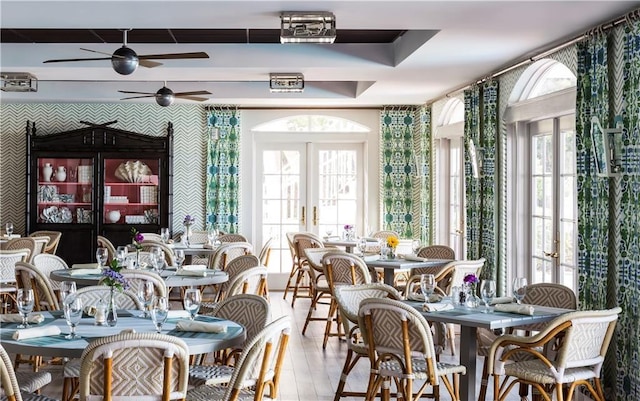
(303, 220)
(459, 232)
(551, 254)
(315, 215)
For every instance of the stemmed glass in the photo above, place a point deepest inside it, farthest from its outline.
(159, 312)
(73, 314)
(121, 254)
(519, 288)
(179, 255)
(160, 262)
(146, 292)
(164, 234)
(24, 299)
(9, 229)
(427, 285)
(191, 302)
(362, 245)
(66, 288)
(212, 236)
(415, 246)
(487, 291)
(101, 257)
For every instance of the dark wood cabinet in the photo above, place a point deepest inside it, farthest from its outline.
(98, 181)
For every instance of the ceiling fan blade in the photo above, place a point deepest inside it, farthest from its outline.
(168, 56)
(196, 98)
(137, 97)
(76, 59)
(138, 93)
(148, 63)
(192, 93)
(96, 51)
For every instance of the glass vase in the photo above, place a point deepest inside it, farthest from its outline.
(471, 300)
(112, 313)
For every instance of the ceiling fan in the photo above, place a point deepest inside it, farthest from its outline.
(165, 96)
(125, 61)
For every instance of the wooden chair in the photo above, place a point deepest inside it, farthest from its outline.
(227, 252)
(53, 240)
(8, 285)
(258, 367)
(251, 281)
(265, 252)
(234, 268)
(401, 348)
(131, 366)
(13, 385)
(46, 263)
(574, 348)
(103, 242)
(301, 269)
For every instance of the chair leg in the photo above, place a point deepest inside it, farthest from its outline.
(484, 381)
(333, 311)
(346, 369)
(312, 307)
(292, 274)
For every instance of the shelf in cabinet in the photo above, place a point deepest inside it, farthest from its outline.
(131, 204)
(63, 204)
(63, 183)
(131, 184)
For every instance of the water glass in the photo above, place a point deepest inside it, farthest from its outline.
(427, 285)
(192, 301)
(146, 292)
(212, 236)
(121, 254)
(455, 296)
(164, 234)
(101, 256)
(179, 255)
(519, 288)
(159, 312)
(9, 229)
(415, 246)
(24, 300)
(362, 245)
(73, 314)
(487, 292)
(384, 250)
(66, 288)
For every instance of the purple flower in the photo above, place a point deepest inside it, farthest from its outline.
(139, 237)
(348, 227)
(115, 279)
(471, 279)
(188, 220)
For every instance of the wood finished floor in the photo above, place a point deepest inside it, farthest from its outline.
(310, 373)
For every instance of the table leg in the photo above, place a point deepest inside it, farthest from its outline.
(389, 276)
(348, 249)
(468, 352)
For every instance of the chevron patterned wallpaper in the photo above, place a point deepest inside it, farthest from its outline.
(189, 162)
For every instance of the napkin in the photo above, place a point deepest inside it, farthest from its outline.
(194, 267)
(371, 258)
(16, 318)
(175, 314)
(84, 272)
(202, 327)
(501, 300)
(515, 308)
(84, 266)
(433, 307)
(34, 332)
(194, 273)
(414, 258)
(419, 297)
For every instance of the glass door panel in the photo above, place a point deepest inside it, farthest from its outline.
(65, 190)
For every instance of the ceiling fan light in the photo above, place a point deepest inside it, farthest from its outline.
(165, 97)
(307, 27)
(124, 61)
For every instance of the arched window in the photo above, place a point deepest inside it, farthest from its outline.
(541, 78)
(311, 123)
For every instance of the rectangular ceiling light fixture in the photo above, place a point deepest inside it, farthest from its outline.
(286, 82)
(307, 27)
(18, 82)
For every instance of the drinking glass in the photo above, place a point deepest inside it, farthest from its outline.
(519, 288)
(415, 246)
(179, 254)
(153, 259)
(66, 288)
(329, 232)
(212, 236)
(24, 299)
(455, 296)
(487, 292)
(101, 257)
(121, 254)
(160, 262)
(384, 250)
(159, 312)
(427, 285)
(164, 234)
(146, 292)
(73, 314)
(9, 229)
(362, 245)
(192, 301)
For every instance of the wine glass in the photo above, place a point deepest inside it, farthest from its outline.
(212, 236)
(24, 299)
(121, 254)
(415, 246)
(66, 288)
(73, 314)
(191, 301)
(164, 234)
(159, 312)
(329, 232)
(487, 292)
(9, 229)
(427, 285)
(179, 255)
(362, 245)
(101, 257)
(146, 292)
(519, 288)
(153, 260)
(160, 262)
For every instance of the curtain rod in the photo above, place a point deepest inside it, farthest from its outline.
(602, 27)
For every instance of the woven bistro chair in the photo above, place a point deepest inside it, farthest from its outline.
(169, 258)
(13, 387)
(436, 252)
(265, 252)
(226, 238)
(574, 348)
(227, 252)
(46, 263)
(51, 246)
(234, 268)
(27, 243)
(134, 366)
(8, 285)
(251, 281)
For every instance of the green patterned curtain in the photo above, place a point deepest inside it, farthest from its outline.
(223, 168)
(424, 167)
(473, 201)
(398, 169)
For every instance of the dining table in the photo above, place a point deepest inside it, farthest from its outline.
(171, 278)
(470, 319)
(400, 264)
(192, 250)
(59, 346)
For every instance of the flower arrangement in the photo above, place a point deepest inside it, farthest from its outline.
(113, 278)
(471, 279)
(392, 241)
(348, 227)
(136, 238)
(188, 220)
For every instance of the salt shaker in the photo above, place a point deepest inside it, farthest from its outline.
(101, 313)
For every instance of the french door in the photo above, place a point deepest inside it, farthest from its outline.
(553, 202)
(311, 186)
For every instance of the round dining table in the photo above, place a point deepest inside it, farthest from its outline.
(59, 346)
(171, 278)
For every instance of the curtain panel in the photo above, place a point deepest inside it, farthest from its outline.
(423, 147)
(473, 200)
(223, 172)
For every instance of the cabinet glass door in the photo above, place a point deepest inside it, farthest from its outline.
(65, 190)
(131, 191)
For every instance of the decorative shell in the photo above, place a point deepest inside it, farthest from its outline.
(131, 171)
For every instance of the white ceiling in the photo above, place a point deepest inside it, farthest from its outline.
(473, 39)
